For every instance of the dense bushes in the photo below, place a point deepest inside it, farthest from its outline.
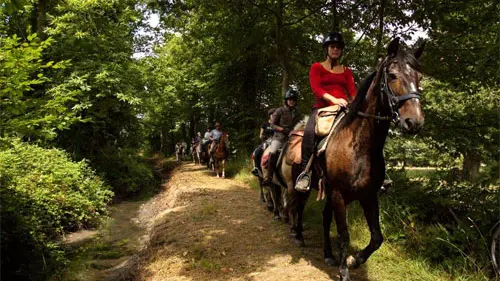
(441, 218)
(42, 194)
(127, 172)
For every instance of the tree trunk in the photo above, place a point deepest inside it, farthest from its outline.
(281, 49)
(472, 162)
(335, 20)
(380, 36)
(39, 18)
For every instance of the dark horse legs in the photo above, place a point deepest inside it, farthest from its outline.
(371, 210)
(335, 204)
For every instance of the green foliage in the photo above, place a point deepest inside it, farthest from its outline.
(127, 173)
(445, 220)
(26, 111)
(43, 194)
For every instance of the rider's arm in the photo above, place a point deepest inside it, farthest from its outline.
(261, 135)
(351, 86)
(275, 119)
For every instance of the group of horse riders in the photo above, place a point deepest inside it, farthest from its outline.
(210, 137)
(331, 84)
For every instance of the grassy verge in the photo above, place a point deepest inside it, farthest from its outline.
(411, 246)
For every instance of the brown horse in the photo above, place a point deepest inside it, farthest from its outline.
(353, 163)
(220, 155)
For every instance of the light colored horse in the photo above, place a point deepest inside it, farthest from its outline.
(180, 151)
(196, 153)
(287, 202)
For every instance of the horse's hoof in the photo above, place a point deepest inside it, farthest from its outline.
(276, 218)
(330, 261)
(300, 242)
(352, 262)
(217, 176)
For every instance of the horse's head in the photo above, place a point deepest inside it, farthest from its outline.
(400, 82)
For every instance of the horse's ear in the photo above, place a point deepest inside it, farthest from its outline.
(420, 50)
(393, 47)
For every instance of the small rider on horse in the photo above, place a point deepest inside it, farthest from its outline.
(266, 133)
(206, 140)
(282, 121)
(215, 135)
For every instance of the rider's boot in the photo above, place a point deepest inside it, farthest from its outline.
(304, 179)
(271, 165)
(256, 158)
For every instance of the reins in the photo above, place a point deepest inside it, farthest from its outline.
(394, 101)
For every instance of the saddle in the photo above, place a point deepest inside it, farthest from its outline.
(294, 153)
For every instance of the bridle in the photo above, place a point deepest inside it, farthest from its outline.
(395, 102)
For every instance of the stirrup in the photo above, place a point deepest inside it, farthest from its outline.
(303, 183)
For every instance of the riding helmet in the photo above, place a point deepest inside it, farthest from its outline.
(334, 37)
(292, 92)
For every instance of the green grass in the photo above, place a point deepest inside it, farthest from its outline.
(393, 261)
(410, 245)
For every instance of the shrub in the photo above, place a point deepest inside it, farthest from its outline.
(42, 195)
(126, 172)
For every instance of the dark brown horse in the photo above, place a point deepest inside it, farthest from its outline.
(220, 155)
(353, 163)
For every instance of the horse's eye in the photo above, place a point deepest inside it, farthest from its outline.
(393, 76)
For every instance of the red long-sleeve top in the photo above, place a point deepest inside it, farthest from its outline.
(336, 84)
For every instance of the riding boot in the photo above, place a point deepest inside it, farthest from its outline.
(304, 179)
(271, 165)
(257, 155)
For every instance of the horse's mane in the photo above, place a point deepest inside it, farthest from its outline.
(302, 124)
(360, 98)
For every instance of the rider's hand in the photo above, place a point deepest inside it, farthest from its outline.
(341, 102)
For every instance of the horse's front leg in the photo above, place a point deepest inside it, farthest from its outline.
(276, 196)
(371, 210)
(327, 221)
(223, 168)
(299, 228)
(339, 211)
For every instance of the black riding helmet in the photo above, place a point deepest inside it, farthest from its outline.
(334, 37)
(292, 92)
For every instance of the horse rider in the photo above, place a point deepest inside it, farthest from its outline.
(215, 137)
(332, 84)
(282, 121)
(206, 139)
(265, 135)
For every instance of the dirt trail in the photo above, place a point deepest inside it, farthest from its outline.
(204, 228)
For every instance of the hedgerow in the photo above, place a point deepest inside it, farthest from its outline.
(43, 193)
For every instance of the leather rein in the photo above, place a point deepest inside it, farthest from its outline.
(395, 102)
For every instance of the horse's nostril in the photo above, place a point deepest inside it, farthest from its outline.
(409, 124)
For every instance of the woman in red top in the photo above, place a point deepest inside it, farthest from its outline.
(332, 84)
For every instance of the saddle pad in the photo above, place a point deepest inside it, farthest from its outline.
(325, 119)
(294, 152)
(265, 159)
(322, 144)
